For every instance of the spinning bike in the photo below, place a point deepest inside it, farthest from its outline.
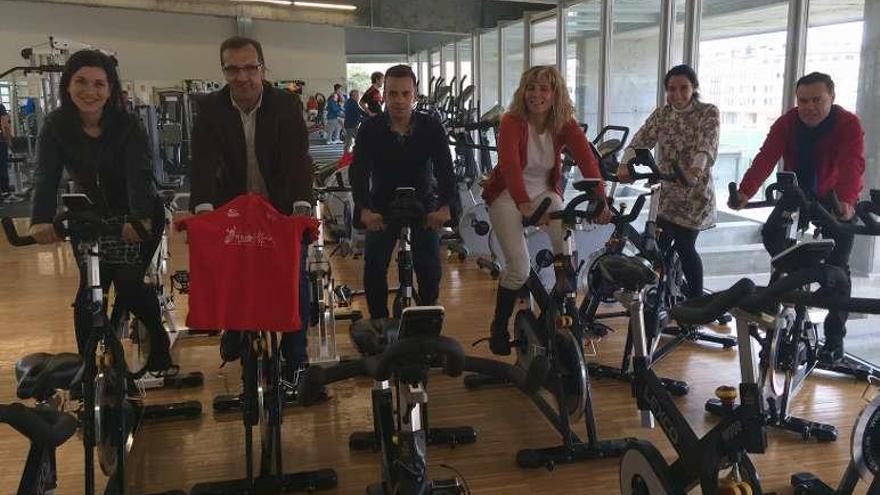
(262, 402)
(47, 429)
(549, 348)
(371, 337)
(790, 349)
(112, 404)
(399, 398)
(864, 464)
(701, 460)
(669, 290)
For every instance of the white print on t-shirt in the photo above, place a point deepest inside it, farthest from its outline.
(232, 213)
(255, 239)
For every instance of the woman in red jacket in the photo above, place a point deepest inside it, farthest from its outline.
(538, 124)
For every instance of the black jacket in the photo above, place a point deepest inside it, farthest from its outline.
(114, 170)
(219, 154)
(384, 161)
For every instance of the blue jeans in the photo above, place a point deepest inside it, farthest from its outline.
(4, 167)
(378, 248)
(294, 345)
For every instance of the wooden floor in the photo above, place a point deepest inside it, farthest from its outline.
(37, 285)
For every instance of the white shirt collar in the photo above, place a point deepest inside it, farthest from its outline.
(246, 114)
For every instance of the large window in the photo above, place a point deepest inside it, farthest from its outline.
(423, 72)
(678, 34)
(465, 61)
(435, 64)
(834, 46)
(742, 71)
(449, 62)
(488, 70)
(512, 68)
(583, 33)
(543, 41)
(635, 45)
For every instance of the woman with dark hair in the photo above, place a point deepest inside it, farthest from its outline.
(685, 131)
(105, 152)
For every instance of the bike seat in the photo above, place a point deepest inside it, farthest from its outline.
(802, 255)
(38, 375)
(706, 309)
(370, 337)
(44, 427)
(628, 272)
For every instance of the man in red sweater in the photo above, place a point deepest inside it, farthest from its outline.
(824, 145)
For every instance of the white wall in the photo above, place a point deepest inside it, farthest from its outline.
(165, 48)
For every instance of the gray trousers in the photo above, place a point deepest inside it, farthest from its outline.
(507, 224)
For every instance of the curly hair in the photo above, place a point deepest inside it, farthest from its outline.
(562, 110)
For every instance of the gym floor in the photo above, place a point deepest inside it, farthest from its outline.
(37, 287)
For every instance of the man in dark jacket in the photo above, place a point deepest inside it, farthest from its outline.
(251, 138)
(401, 148)
(825, 146)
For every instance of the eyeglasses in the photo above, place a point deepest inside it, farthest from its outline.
(250, 69)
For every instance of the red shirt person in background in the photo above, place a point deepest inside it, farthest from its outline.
(371, 102)
(825, 146)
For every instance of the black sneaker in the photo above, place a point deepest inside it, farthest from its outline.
(161, 365)
(230, 346)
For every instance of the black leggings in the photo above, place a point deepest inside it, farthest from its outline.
(131, 294)
(684, 241)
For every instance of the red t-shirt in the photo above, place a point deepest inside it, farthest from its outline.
(244, 261)
(373, 99)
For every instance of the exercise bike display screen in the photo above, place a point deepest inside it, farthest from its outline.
(421, 322)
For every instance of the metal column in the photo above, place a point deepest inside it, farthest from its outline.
(607, 25)
(795, 49)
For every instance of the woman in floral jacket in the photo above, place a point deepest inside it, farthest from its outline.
(685, 131)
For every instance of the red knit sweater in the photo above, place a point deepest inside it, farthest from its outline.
(513, 142)
(840, 156)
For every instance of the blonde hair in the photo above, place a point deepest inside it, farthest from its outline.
(562, 110)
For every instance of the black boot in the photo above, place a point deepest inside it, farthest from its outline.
(499, 338)
(832, 351)
(160, 353)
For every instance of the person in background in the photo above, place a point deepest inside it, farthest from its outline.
(353, 117)
(334, 119)
(371, 102)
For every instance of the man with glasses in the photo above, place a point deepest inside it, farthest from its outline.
(250, 137)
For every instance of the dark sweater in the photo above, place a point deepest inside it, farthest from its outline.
(219, 152)
(113, 170)
(385, 160)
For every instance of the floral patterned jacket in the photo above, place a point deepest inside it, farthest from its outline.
(681, 136)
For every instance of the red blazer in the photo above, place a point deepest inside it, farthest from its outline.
(840, 156)
(513, 142)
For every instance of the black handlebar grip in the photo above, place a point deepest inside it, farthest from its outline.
(12, 234)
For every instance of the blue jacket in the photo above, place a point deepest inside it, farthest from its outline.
(353, 114)
(333, 109)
